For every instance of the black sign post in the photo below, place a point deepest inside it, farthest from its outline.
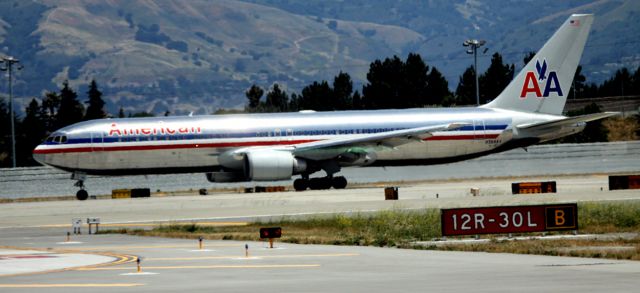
(270, 233)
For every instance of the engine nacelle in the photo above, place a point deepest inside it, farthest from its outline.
(267, 165)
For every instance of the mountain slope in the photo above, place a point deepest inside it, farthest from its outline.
(191, 56)
(199, 55)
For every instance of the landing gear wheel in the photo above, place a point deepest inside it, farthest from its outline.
(319, 183)
(82, 194)
(339, 182)
(314, 184)
(300, 184)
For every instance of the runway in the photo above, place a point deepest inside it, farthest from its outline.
(260, 206)
(171, 265)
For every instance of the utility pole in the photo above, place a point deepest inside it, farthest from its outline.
(8, 66)
(475, 44)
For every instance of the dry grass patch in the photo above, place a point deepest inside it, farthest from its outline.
(398, 228)
(621, 129)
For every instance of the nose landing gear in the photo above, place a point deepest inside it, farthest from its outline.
(82, 194)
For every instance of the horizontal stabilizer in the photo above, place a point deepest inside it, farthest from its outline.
(569, 120)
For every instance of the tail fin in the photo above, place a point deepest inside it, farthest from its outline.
(543, 84)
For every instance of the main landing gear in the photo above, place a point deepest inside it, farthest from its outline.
(320, 183)
(82, 194)
(330, 167)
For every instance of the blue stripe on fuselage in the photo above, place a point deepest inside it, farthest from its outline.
(231, 135)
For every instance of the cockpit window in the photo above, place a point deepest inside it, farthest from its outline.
(57, 138)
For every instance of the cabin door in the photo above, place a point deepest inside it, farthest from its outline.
(97, 142)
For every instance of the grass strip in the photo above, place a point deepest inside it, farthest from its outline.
(401, 228)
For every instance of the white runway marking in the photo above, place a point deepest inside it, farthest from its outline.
(139, 274)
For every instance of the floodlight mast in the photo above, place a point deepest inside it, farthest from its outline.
(474, 45)
(8, 66)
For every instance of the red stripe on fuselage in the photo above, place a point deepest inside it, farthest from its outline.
(226, 145)
(169, 146)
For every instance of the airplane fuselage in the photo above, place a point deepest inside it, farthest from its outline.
(193, 144)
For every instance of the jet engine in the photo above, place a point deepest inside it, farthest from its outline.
(267, 165)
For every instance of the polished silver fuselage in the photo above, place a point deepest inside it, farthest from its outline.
(193, 144)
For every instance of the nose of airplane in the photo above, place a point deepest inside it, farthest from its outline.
(39, 155)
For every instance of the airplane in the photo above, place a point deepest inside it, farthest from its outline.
(278, 146)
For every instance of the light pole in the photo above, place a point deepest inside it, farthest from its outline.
(8, 66)
(475, 44)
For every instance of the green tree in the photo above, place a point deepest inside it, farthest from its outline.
(466, 90)
(277, 100)
(618, 85)
(528, 57)
(32, 131)
(357, 101)
(5, 135)
(316, 96)
(121, 113)
(413, 87)
(253, 94)
(393, 83)
(294, 103)
(385, 79)
(495, 79)
(95, 110)
(635, 86)
(141, 114)
(342, 89)
(70, 111)
(50, 106)
(437, 87)
(577, 90)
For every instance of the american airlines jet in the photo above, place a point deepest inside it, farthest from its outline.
(278, 146)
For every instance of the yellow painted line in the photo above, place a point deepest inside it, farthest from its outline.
(194, 246)
(69, 285)
(201, 267)
(119, 259)
(260, 256)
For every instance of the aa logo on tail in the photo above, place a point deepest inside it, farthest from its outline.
(533, 83)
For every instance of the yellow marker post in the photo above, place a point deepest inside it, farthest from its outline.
(246, 250)
(200, 242)
(270, 242)
(68, 236)
(138, 262)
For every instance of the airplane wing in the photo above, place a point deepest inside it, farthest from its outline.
(351, 146)
(568, 121)
(327, 149)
